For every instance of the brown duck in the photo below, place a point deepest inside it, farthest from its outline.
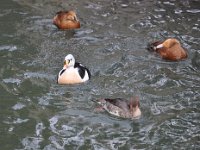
(169, 49)
(66, 20)
(121, 107)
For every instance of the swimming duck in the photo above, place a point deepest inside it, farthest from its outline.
(121, 107)
(73, 72)
(169, 49)
(66, 20)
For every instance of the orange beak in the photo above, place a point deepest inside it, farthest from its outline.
(65, 64)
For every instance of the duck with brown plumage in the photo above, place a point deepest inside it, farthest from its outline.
(66, 20)
(121, 107)
(169, 49)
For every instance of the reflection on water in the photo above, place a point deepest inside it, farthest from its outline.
(36, 113)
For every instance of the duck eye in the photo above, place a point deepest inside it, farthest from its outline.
(69, 60)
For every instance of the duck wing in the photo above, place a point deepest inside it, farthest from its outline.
(82, 69)
(119, 102)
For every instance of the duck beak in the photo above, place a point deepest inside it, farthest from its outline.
(75, 18)
(159, 46)
(65, 64)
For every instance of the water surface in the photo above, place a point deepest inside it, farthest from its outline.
(37, 113)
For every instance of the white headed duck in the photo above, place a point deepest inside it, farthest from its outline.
(73, 72)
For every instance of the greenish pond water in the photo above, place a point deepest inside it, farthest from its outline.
(37, 113)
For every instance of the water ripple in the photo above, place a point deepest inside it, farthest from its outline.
(37, 113)
(18, 106)
(194, 11)
(8, 48)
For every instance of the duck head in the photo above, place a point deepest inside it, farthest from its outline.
(69, 61)
(134, 106)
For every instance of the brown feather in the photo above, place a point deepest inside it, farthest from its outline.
(66, 20)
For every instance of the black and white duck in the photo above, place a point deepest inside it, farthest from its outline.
(73, 72)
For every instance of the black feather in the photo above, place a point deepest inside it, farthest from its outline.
(62, 72)
(82, 69)
(60, 12)
(89, 74)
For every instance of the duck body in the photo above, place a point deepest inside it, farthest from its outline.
(66, 20)
(121, 107)
(169, 49)
(73, 72)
